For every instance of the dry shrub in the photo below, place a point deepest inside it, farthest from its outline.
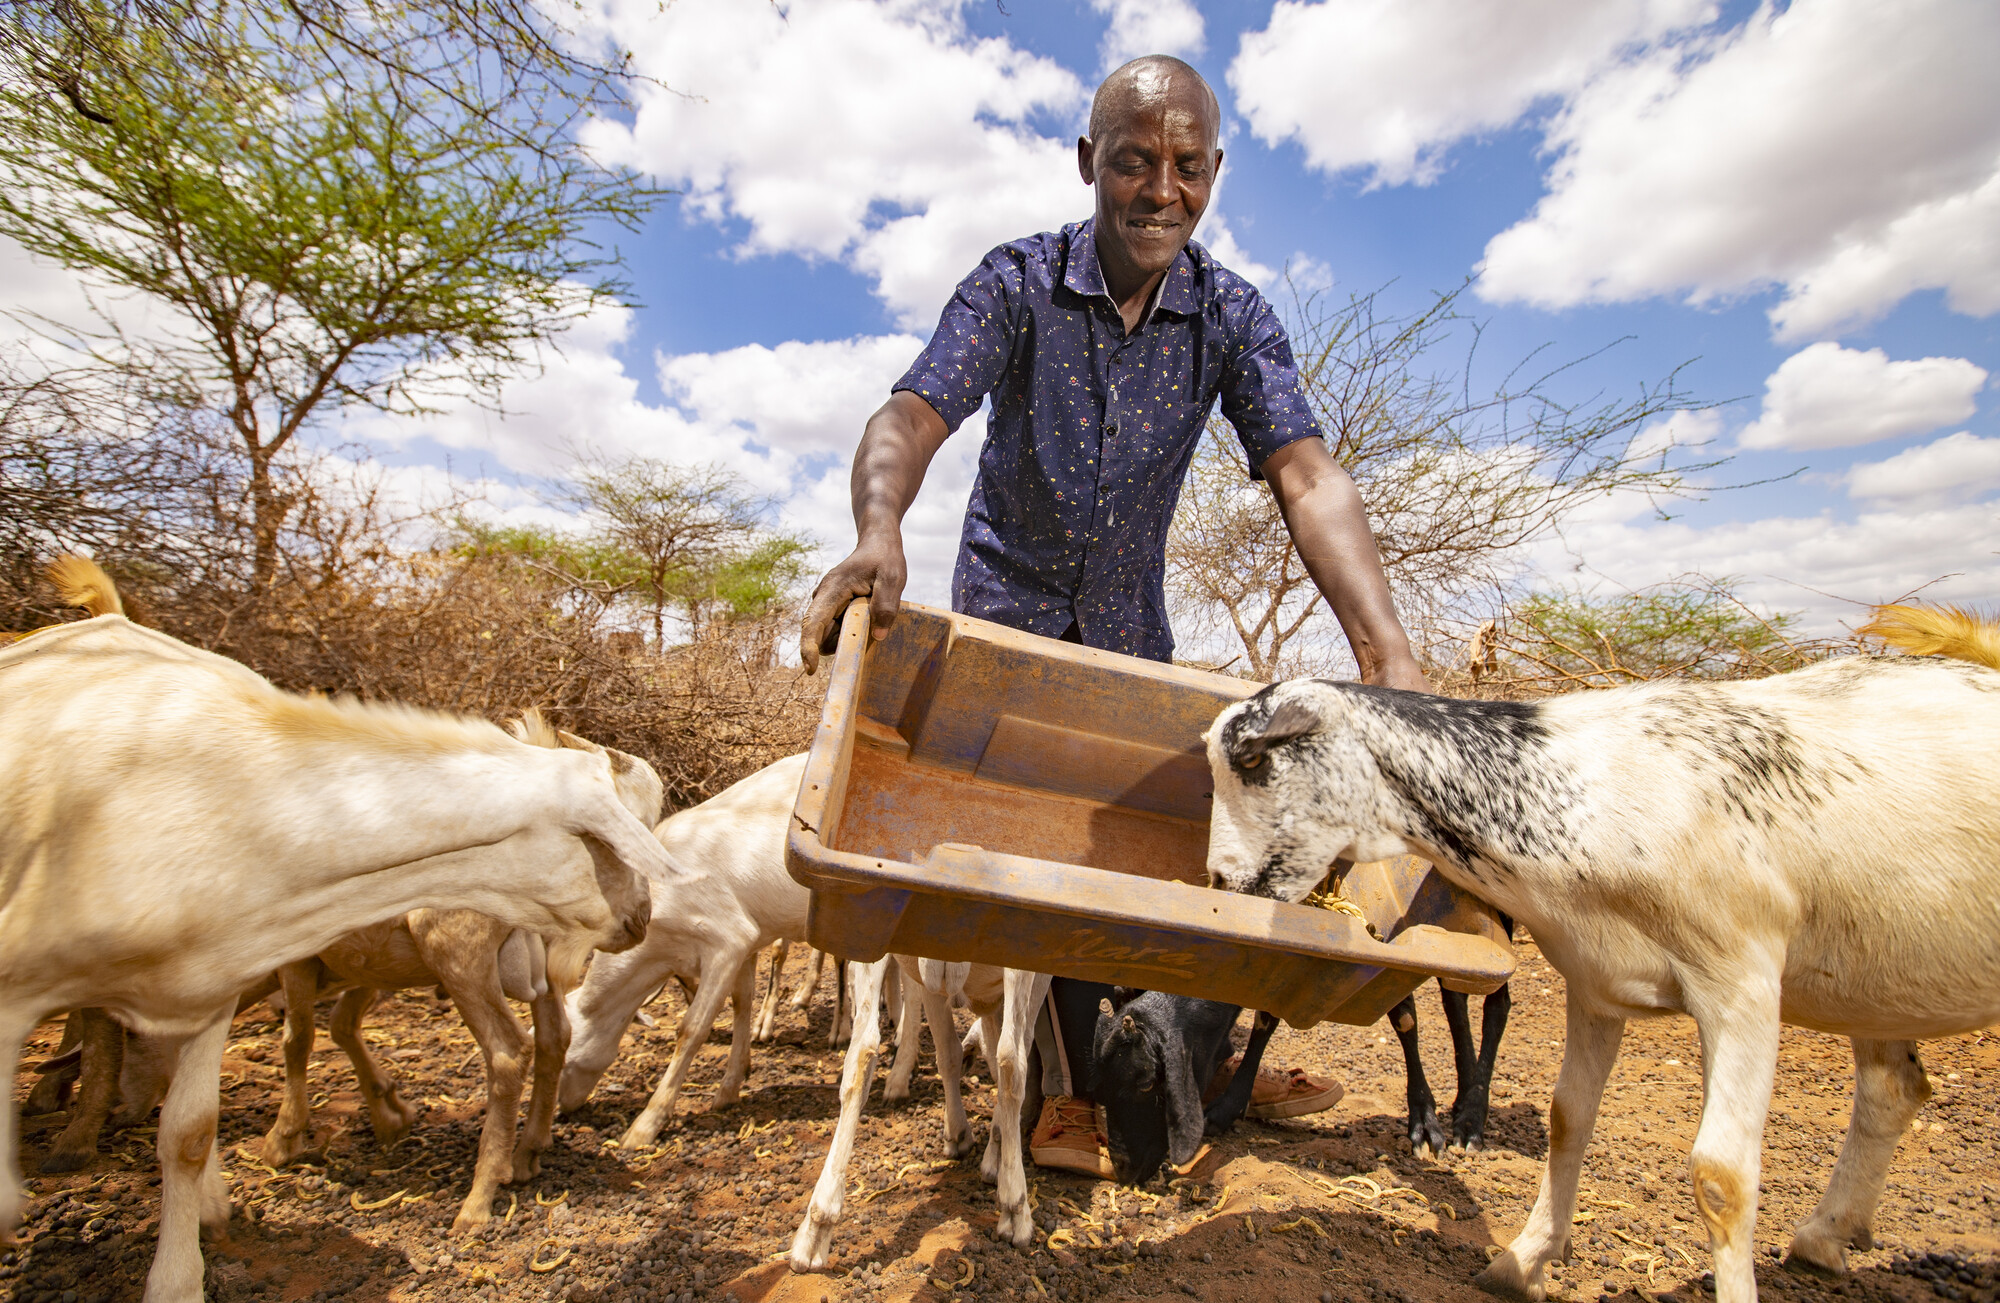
(1692, 627)
(358, 607)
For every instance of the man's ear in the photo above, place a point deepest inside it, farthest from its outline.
(1086, 154)
(1293, 717)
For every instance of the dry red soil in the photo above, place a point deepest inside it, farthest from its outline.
(1331, 1206)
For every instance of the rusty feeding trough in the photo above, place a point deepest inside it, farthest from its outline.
(980, 794)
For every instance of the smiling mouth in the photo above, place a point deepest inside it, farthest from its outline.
(1152, 225)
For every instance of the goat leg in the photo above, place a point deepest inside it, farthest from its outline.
(803, 994)
(289, 1133)
(811, 1245)
(843, 1004)
(15, 1024)
(743, 998)
(1589, 1050)
(1889, 1088)
(482, 1003)
(551, 1050)
(388, 1115)
(103, 1045)
(1475, 1070)
(1225, 1111)
(689, 1039)
(1425, 1132)
(911, 998)
(1022, 1000)
(192, 1193)
(59, 1071)
(767, 1013)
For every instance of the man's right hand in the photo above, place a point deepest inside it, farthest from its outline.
(875, 569)
(896, 448)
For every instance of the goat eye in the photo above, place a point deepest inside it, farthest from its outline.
(1146, 1089)
(1251, 761)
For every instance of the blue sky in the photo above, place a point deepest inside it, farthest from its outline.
(1801, 202)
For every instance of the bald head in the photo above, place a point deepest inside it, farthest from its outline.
(1150, 83)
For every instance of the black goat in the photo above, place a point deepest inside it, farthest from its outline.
(1475, 1067)
(1153, 1054)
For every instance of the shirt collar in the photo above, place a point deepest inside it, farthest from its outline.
(1084, 276)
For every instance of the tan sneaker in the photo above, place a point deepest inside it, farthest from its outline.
(1066, 1138)
(1288, 1094)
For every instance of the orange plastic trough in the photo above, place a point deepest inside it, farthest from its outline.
(980, 794)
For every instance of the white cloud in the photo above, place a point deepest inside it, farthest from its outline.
(1820, 565)
(1148, 27)
(786, 418)
(1957, 466)
(803, 398)
(1826, 396)
(881, 134)
(1390, 84)
(1846, 150)
(1221, 242)
(1694, 429)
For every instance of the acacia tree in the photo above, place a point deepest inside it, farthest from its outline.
(694, 538)
(327, 225)
(1455, 483)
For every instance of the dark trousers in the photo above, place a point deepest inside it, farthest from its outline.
(1074, 1004)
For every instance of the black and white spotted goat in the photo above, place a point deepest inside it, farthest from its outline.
(1821, 848)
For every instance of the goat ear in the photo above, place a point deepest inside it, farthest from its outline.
(1185, 1118)
(1124, 995)
(1292, 717)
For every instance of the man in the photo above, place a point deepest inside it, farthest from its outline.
(1103, 347)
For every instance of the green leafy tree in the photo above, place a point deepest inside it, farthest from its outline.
(326, 224)
(695, 535)
(1692, 627)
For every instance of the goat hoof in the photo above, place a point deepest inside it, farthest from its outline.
(1504, 1278)
(279, 1149)
(640, 1135)
(1015, 1226)
(526, 1167)
(810, 1245)
(1426, 1136)
(58, 1161)
(470, 1219)
(1824, 1252)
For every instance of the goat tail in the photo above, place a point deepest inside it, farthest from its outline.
(82, 582)
(1938, 631)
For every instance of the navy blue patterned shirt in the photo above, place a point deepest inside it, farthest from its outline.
(1092, 429)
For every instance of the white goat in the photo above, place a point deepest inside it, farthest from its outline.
(709, 925)
(1821, 848)
(173, 827)
(481, 963)
(1005, 1002)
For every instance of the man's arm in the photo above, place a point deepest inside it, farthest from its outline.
(896, 449)
(1329, 526)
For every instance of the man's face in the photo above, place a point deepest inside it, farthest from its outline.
(1154, 164)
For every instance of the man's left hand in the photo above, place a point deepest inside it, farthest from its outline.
(1398, 672)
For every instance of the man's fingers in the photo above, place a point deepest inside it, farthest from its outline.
(883, 604)
(818, 629)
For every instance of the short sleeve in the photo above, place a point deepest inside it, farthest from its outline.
(968, 353)
(1260, 392)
